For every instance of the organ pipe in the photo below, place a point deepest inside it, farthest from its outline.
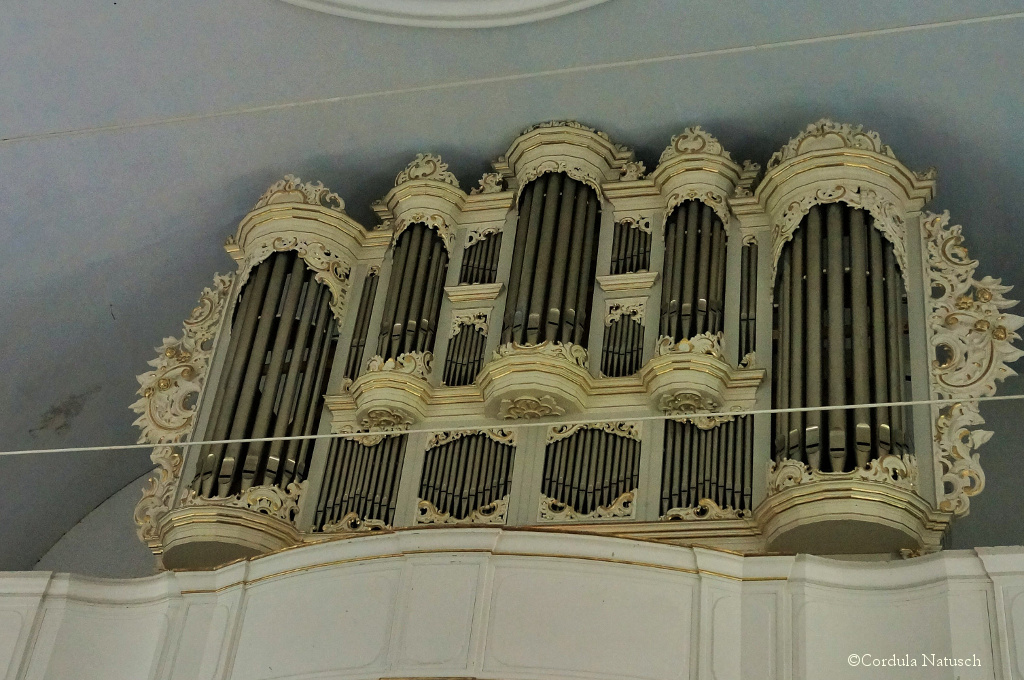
(631, 249)
(693, 292)
(466, 474)
(839, 320)
(362, 480)
(465, 356)
(553, 263)
(480, 261)
(590, 468)
(362, 327)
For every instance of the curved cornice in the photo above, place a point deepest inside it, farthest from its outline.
(448, 13)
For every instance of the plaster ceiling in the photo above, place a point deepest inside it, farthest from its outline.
(135, 134)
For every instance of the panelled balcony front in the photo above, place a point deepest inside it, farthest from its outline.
(578, 344)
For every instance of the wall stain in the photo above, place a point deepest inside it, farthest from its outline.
(59, 416)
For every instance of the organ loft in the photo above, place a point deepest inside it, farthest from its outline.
(707, 353)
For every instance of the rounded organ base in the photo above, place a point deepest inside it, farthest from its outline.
(205, 538)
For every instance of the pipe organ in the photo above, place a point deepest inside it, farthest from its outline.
(703, 353)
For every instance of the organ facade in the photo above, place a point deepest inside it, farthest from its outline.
(705, 354)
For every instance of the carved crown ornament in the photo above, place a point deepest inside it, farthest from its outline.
(827, 135)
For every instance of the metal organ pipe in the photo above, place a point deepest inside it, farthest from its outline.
(839, 317)
(693, 294)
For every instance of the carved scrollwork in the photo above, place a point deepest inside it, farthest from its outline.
(497, 434)
(267, 500)
(331, 270)
(693, 140)
(705, 343)
(641, 223)
(691, 407)
(291, 189)
(887, 217)
(898, 471)
(574, 171)
(474, 318)
(434, 221)
(529, 407)
(168, 396)
(427, 166)
(705, 509)
(972, 340)
(568, 351)
(827, 134)
(418, 364)
(490, 183)
(633, 308)
(632, 171)
(552, 510)
(749, 360)
(712, 199)
(474, 236)
(380, 420)
(492, 513)
(622, 429)
(353, 523)
(576, 125)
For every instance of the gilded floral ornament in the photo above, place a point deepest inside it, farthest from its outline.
(527, 408)
(491, 513)
(712, 199)
(690, 407)
(972, 342)
(567, 351)
(575, 171)
(471, 318)
(552, 510)
(168, 400)
(627, 430)
(630, 309)
(706, 509)
(418, 364)
(826, 134)
(434, 221)
(291, 189)
(641, 223)
(474, 236)
(426, 166)
(268, 500)
(693, 140)
(632, 170)
(497, 434)
(380, 420)
(490, 183)
(706, 343)
(353, 523)
(898, 471)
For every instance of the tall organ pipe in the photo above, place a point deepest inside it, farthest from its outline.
(282, 340)
(413, 302)
(553, 263)
(693, 293)
(714, 464)
(839, 318)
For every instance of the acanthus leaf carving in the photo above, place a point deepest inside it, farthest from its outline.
(899, 471)
(567, 351)
(691, 407)
(497, 434)
(473, 318)
(291, 189)
(706, 509)
(574, 171)
(825, 134)
(434, 221)
(633, 308)
(529, 407)
(639, 222)
(632, 170)
(693, 140)
(712, 199)
(706, 343)
(490, 183)
(474, 236)
(268, 500)
(553, 510)
(426, 166)
(418, 364)
(629, 430)
(494, 512)
(353, 523)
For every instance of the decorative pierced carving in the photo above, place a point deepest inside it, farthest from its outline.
(291, 189)
(827, 134)
(749, 360)
(331, 270)
(632, 171)
(380, 432)
(691, 407)
(705, 343)
(898, 471)
(568, 351)
(352, 523)
(267, 500)
(705, 509)
(641, 223)
(552, 510)
(972, 340)
(529, 407)
(418, 364)
(628, 430)
(381, 420)
(693, 140)
(576, 125)
(427, 166)
(490, 183)
(434, 221)
(888, 218)
(497, 434)
(477, 318)
(712, 199)
(574, 171)
(474, 236)
(631, 309)
(492, 513)
(168, 397)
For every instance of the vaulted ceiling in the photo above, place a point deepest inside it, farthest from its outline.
(135, 134)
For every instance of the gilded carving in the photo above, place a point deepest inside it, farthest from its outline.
(353, 523)
(705, 509)
(475, 318)
(693, 140)
(427, 166)
(552, 510)
(168, 401)
(972, 340)
(567, 351)
(474, 236)
(633, 308)
(385, 420)
(267, 500)
(418, 364)
(627, 430)
(497, 434)
(706, 343)
(826, 134)
(434, 221)
(529, 407)
(632, 170)
(291, 189)
(492, 513)
(641, 223)
(898, 471)
(490, 183)
(574, 171)
(691, 407)
(712, 199)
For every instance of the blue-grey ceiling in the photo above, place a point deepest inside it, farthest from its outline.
(112, 212)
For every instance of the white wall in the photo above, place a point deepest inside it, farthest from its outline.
(520, 605)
